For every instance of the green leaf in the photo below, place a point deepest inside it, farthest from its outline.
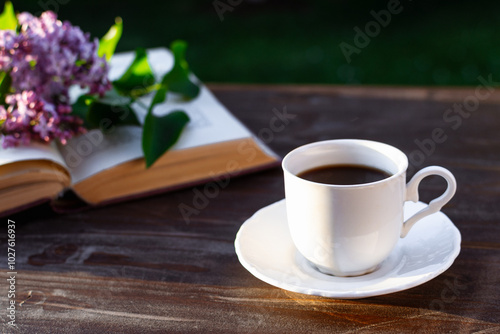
(177, 80)
(160, 133)
(105, 116)
(5, 82)
(108, 42)
(110, 110)
(81, 108)
(106, 112)
(160, 96)
(8, 19)
(138, 79)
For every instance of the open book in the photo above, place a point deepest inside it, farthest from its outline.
(101, 169)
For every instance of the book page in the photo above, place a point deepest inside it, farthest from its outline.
(210, 122)
(36, 151)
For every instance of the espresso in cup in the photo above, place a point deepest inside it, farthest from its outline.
(344, 174)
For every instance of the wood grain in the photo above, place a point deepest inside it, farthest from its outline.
(139, 267)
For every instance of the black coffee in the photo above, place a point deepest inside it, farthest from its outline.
(344, 174)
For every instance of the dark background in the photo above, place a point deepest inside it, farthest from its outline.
(276, 41)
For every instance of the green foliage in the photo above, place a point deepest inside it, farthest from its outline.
(108, 42)
(177, 80)
(160, 133)
(8, 19)
(110, 111)
(103, 113)
(138, 79)
(5, 82)
(81, 108)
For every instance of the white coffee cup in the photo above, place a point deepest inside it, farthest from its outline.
(348, 230)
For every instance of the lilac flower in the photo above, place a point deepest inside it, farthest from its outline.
(44, 60)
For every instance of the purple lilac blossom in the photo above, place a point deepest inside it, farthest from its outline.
(44, 60)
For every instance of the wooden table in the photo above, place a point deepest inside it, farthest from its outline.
(138, 267)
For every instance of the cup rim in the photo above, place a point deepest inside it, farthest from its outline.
(402, 169)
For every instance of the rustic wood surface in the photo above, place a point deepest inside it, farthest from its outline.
(139, 267)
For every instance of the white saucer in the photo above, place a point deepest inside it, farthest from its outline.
(265, 248)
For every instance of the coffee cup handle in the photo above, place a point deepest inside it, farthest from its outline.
(436, 204)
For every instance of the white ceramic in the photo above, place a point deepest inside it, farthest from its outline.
(347, 230)
(265, 248)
